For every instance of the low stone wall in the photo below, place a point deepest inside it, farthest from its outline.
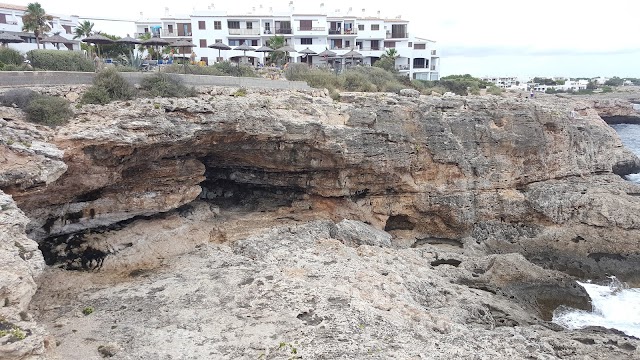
(39, 78)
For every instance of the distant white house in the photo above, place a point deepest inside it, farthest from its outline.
(600, 80)
(11, 22)
(569, 85)
(508, 82)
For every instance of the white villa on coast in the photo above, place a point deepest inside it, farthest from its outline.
(318, 30)
(11, 22)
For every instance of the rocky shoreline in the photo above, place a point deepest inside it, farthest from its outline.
(377, 226)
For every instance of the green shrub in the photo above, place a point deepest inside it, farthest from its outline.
(382, 79)
(316, 78)
(165, 85)
(10, 56)
(96, 95)
(355, 81)
(240, 92)
(233, 69)
(18, 97)
(88, 310)
(494, 90)
(56, 60)
(193, 69)
(13, 67)
(48, 110)
(116, 86)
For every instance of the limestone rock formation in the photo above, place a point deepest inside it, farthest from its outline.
(452, 168)
(20, 264)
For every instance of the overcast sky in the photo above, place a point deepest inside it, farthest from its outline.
(489, 37)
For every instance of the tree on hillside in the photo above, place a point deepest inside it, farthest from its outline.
(35, 19)
(388, 60)
(85, 29)
(614, 81)
(276, 42)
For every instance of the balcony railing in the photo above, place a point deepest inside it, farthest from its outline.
(244, 31)
(397, 35)
(402, 67)
(9, 22)
(433, 67)
(343, 32)
(307, 28)
(283, 31)
(169, 33)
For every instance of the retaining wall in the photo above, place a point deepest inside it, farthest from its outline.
(39, 78)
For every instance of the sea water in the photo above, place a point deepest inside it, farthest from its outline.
(630, 136)
(614, 304)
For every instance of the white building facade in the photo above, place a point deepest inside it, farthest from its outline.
(417, 57)
(11, 22)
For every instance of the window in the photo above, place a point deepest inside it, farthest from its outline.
(201, 25)
(347, 43)
(306, 41)
(361, 27)
(146, 30)
(375, 27)
(3, 19)
(234, 42)
(420, 46)
(170, 29)
(203, 43)
(254, 42)
(305, 25)
(217, 25)
(410, 44)
(249, 25)
(267, 27)
(389, 44)
(67, 28)
(218, 40)
(233, 24)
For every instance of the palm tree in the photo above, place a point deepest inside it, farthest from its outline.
(36, 19)
(391, 53)
(276, 42)
(85, 29)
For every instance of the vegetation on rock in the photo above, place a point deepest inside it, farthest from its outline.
(19, 98)
(10, 56)
(108, 85)
(165, 85)
(48, 110)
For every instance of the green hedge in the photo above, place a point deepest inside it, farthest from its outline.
(10, 56)
(165, 85)
(57, 60)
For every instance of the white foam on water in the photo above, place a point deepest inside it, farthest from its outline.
(633, 178)
(614, 306)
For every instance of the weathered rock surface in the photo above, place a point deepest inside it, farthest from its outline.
(452, 168)
(451, 179)
(20, 264)
(298, 287)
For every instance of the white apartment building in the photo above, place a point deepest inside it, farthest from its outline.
(11, 22)
(417, 57)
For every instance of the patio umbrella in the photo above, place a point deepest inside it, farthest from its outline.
(352, 54)
(220, 46)
(326, 54)
(129, 41)
(97, 39)
(183, 44)
(6, 38)
(307, 52)
(155, 42)
(57, 40)
(287, 49)
(244, 47)
(264, 49)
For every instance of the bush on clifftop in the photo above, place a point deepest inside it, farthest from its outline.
(108, 85)
(48, 110)
(18, 97)
(165, 85)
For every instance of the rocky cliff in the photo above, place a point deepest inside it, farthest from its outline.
(475, 176)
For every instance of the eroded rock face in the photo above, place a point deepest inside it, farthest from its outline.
(463, 169)
(20, 264)
(299, 286)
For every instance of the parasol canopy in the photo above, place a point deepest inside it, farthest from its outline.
(307, 51)
(327, 53)
(6, 38)
(264, 49)
(128, 40)
(220, 46)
